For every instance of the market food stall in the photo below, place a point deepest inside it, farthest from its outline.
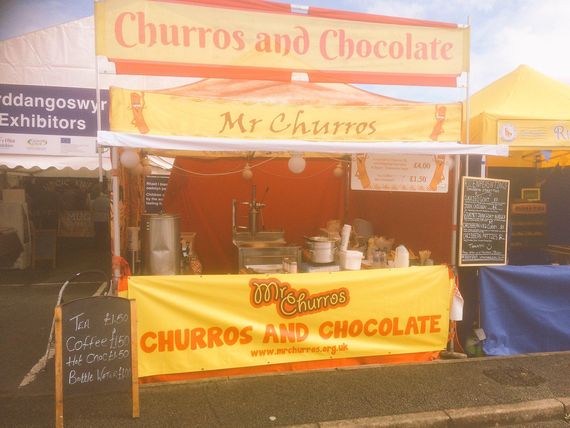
(530, 112)
(285, 320)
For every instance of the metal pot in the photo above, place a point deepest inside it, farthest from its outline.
(160, 244)
(321, 249)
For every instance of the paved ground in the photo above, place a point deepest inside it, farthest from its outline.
(528, 390)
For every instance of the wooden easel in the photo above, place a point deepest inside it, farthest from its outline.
(134, 384)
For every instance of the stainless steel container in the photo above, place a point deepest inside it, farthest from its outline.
(321, 249)
(160, 244)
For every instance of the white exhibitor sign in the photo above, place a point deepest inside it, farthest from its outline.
(399, 173)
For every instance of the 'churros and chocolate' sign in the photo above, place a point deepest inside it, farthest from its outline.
(199, 323)
(270, 41)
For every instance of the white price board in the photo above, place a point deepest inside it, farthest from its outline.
(398, 173)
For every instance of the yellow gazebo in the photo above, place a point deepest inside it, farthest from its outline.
(528, 111)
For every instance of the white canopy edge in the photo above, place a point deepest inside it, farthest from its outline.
(204, 144)
(71, 164)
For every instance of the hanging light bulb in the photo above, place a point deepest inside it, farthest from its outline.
(246, 172)
(129, 158)
(296, 163)
(337, 171)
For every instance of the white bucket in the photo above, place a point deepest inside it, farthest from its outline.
(402, 258)
(350, 260)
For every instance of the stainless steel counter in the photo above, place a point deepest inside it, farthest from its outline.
(264, 251)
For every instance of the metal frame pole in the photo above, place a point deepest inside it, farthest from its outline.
(98, 101)
(116, 219)
(455, 209)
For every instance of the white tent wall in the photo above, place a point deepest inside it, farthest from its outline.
(58, 58)
(64, 55)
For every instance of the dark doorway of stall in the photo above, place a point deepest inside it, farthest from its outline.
(72, 255)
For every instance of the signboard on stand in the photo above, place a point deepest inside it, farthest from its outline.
(154, 190)
(419, 173)
(95, 349)
(483, 222)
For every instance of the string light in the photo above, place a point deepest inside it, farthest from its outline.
(296, 163)
(338, 170)
(247, 173)
(129, 158)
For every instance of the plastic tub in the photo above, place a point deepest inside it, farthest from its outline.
(350, 260)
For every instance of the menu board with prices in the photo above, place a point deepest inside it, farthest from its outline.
(394, 173)
(483, 222)
(95, 349)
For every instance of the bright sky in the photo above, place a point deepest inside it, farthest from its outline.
(504, 33)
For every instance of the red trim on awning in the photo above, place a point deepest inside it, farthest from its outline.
(316, 12)
(136, 67)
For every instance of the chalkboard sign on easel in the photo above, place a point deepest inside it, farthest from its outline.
(483, 222)
(95, 341)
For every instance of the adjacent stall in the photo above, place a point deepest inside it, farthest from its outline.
(304, 142)
(522, 305)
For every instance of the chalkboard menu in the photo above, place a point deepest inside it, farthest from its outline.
(483, 222)
(154, 190)
(95, 348)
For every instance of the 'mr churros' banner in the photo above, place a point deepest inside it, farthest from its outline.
(148, 112)
(270, 41)
(190, 323)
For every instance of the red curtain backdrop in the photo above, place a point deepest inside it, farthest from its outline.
(201, 192)
(420, 221)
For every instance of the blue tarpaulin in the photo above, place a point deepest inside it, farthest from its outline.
(525, 309)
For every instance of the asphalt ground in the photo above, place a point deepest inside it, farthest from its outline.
(525, 390)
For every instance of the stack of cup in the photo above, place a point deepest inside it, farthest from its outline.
(345, 236)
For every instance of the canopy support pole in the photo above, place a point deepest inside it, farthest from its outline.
(98, 101)
(455, 209)
(467, 107)
(116, 219)
(450, 352)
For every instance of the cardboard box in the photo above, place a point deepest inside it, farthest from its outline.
(14, 195)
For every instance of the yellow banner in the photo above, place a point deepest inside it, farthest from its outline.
(199, 323)
(162, 114)
(222, 38)
(534, 133)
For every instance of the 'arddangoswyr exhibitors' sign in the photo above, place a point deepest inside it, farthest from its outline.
(50, 120)
(483, 222)
(272, 41)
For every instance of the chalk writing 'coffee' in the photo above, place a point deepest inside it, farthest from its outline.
(96, 344)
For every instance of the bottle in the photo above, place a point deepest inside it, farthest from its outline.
(293, 267)
(382, 258)
(376, 257)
